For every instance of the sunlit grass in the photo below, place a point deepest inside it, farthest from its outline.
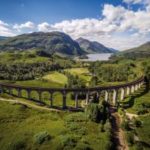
(83, 73)
(19, 125)
(56, 77)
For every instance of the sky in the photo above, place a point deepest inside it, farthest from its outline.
(119, 24)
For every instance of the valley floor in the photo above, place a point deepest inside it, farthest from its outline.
(25, 127)
(36, 127)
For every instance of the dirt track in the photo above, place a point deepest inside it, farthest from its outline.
(118, 136)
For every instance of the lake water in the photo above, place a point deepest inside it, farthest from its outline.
(100, 57)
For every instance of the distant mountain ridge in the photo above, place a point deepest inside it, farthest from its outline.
(94, 47)
(3, 38)
(51, 42)
(138, 52)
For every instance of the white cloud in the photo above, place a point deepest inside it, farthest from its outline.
(115, 29)
(112, 13)
(26, 25)
(119, 27)
(45, 27)
(133, 1)
(5, 30)
(143, 2)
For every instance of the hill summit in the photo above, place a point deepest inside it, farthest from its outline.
(51, 42)
(93, 46)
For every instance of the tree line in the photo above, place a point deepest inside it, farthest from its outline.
(111, 72)
(26, 71)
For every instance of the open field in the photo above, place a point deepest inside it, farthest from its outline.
(56, 77)
(21, 57)
(35, 129)
(78, 71)
(83, 73)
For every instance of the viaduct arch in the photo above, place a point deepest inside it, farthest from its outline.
(118, 92)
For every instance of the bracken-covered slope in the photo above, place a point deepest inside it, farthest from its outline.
(52, 42)
(93, 47)
(138, 52)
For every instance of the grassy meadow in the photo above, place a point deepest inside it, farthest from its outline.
(21, 57)
(137, 129)
(83, 73)
(56, 77)
(24, 127)
(36, 129)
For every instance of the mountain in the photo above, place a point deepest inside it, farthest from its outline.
(93, 47)
(52, 42)
(138, 52)
(3, 38)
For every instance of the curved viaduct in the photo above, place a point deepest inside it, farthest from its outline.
(118, 92)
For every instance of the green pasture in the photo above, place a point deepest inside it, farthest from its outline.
(25, 128)
(21, 57)
(56, 77)
(83, 73)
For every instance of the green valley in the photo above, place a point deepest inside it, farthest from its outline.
(57, 102)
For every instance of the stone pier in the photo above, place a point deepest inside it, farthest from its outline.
(106, 96)
(115, 94)
(128, 91)
(122, 95)
(87, 98)
(76, 100)
(132, 89)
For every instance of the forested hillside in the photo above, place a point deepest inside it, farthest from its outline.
(52, 42)
(28, 65)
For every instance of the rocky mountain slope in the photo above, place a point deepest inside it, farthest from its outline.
(52, 42)
(94, 47)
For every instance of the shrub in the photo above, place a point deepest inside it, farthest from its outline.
(130, 138)
(41, 137)
(139, 146)
(92, 112)
(125, 125)
(121, 111)
(146, 105)
(22, 107)
(75, 127)
(106, 127)
(17, 145)
(101, 127)
(108, 146)
(76, 117)
(142, 112)
(138, 123)
(67, 142)
(83, 146)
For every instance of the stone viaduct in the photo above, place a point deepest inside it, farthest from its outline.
(111, 93)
